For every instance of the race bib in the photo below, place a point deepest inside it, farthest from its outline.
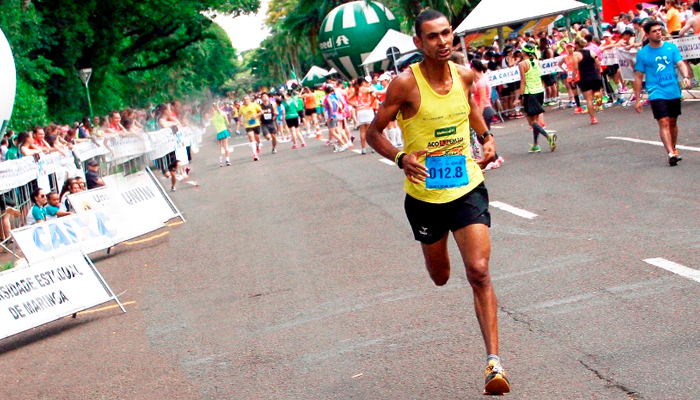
(267, 116)
(446, 172)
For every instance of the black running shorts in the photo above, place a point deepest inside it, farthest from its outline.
(594, 85)
(666, 108)
(268, 129)
(293, 122)
(430, 222)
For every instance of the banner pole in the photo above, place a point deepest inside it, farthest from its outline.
(103, 282)
(165, 194)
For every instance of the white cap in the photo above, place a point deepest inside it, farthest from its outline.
(368, 79)
(384, 77)
(607, 34)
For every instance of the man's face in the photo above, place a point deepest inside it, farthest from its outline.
(246, 100)
(436, 39)
(655, 34)
(96, 120)
(615, 20)
(265, 98)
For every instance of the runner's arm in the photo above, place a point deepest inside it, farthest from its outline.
(684, 72)
(638, 79)
(395, 98)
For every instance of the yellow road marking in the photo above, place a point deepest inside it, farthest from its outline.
(128, 303)
(148, 239)
(175, 223)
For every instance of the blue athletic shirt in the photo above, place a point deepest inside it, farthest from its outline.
(659, 65)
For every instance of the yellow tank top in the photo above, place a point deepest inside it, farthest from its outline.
(441, 126)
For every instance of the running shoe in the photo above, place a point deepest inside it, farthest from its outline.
(319, 136)
(274, 151)
(534, 149)
(187, 170)
(221, 165)
(496, 381)
(672, 159)
(228, 163)
(519, 115)
(578, 110)
(499, 161)
(552, 141)
(594, 121)
(303, 145)
(255, 158)
(363, 151)
(343, 148)
(172, 189)
(258, 149)
(678, 156)
(336, 149)
(296, 146)
(571, 104)
(352, 138)
(623, 89)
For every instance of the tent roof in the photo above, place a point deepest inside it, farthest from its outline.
(494, 13)
(315, 72)
(392, 38)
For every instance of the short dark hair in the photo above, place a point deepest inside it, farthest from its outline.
(640, 6)
(696, 6)
(651, 24)
(424, 16)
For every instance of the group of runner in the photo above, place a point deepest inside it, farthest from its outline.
(335, 104)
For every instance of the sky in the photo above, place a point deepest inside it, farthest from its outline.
(246, 31)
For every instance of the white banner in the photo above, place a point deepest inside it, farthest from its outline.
(627, 59)
(47, 291)
(512, 74)
(15, 173)
(689, 47)
(136, 197)
(87, 232)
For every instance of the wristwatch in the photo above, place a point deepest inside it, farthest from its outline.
(482, 137)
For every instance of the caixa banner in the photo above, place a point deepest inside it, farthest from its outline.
(87, 232)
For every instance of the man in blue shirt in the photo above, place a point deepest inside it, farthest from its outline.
(657, 61)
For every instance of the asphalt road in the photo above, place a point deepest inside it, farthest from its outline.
(297, 277)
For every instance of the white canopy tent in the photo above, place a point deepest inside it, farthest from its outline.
(497, 13)
(392, 38)
(314, 76)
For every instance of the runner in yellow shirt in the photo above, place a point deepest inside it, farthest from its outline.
(250, 113)
(444, 185)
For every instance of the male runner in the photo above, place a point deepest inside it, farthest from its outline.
(269, 130)
(657, 60)
(251, 112)
(444, 185)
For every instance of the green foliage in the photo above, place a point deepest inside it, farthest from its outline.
(140, 51)
(6, 266)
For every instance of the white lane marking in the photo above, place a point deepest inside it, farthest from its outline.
(387, 162)
(681, 147)
(670, 266)
(513, 210)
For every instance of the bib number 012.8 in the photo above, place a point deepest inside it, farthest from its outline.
(446, 172)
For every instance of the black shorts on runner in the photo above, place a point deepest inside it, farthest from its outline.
(532, 104)
(611, 70)
(302, 114)
(292, 122)
(666, 108)
(255, 130)
(594, 85)
(268, 129)
(430, 222)
(549, 79)
(310, 111)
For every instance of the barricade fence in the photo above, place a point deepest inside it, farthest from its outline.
(127, 155)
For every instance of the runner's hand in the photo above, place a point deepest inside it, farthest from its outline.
(489, 153)
(414, 170)
(686, 83)
(638, 106)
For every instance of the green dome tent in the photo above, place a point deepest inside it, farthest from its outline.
(351, 31)
(315, 76)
